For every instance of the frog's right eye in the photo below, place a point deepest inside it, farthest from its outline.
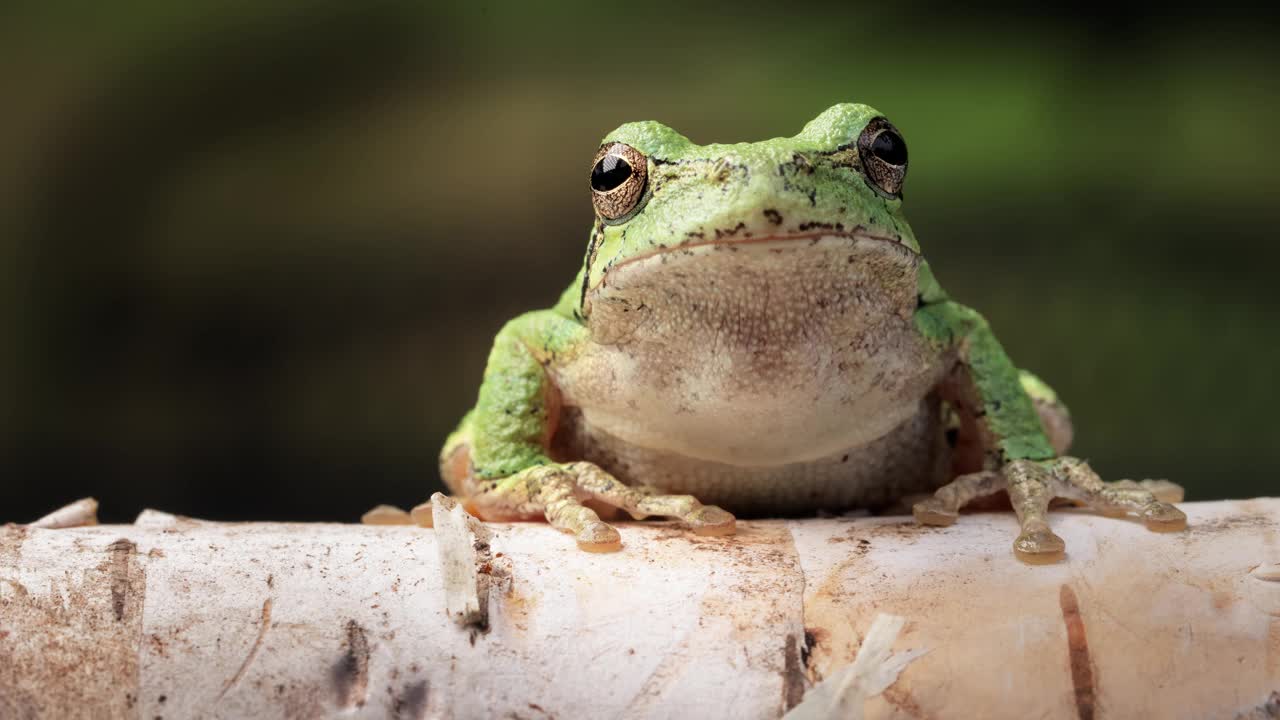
(883, 153)
(618, 177)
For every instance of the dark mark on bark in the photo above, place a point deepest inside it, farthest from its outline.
(539, 709)
(1078, 653)
(902, 700)
(350, 675)
(1252, 521)
(1266, 711)
(121, 551)
(412, 703)
(806, 650)
(792, 674)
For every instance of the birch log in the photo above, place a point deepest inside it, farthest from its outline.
(821, 618)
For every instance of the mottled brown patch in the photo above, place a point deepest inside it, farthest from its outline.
(350, 674)
(1082, 679)
(793, 681)
(901, 699)
(858, 545)
(817, 641)
(411, 704)
(907, 529)
(71, 641)
(1245, 520)
(806, 650)
(815, 636)
(122, 552)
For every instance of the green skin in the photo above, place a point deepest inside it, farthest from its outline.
(500, 456)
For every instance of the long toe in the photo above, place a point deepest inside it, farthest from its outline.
(1163, 517)
(1039, 547)
(933, 512)
(711, 520)
(599, 537)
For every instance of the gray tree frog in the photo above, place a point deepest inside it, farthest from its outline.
(755, 327)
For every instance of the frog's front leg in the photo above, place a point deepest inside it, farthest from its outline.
(1018, 456)
(498, 458)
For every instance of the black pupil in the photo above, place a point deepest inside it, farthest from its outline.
(888, 146)
(609, 173)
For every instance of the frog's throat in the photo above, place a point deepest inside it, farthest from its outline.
(813, 236)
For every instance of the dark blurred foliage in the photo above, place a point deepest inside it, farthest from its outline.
(253, 253)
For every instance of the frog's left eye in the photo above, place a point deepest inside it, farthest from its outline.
(618, 176)
(883, 153)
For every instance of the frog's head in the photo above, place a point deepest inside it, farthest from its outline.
(815, 218)
(816, 215)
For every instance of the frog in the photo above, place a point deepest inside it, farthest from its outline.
(755, 331)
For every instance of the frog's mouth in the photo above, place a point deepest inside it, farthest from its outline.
(752, 282)
(734, 242)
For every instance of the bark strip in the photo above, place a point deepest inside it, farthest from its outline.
(183, 618)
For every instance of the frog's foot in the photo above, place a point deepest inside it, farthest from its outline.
(646, 500)
(1032, 485)
(558, 491)
(1149, 500)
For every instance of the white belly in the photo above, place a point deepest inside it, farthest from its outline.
(748, 407)
(911, 458)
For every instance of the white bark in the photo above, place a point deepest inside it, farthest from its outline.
(179, 618)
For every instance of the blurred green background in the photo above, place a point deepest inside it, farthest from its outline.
(253, 254)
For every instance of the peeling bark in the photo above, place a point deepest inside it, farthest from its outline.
(177, 618)
(78, 514)
(466, 563)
